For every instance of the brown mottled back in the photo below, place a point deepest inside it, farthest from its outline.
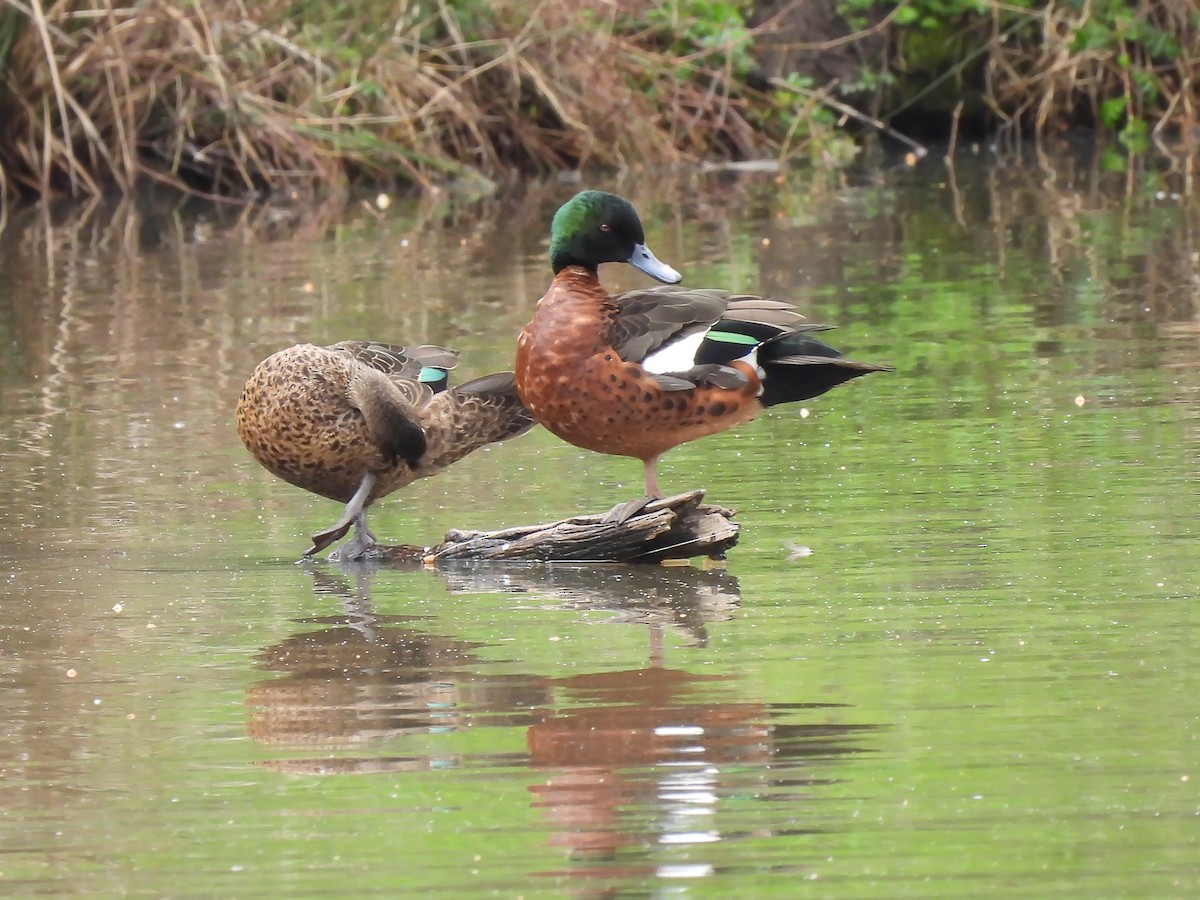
(322, 417)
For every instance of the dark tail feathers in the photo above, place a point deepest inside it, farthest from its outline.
(797, 366)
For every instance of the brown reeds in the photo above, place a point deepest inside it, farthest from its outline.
(1133, 71)
(246, 98)
(234, 98)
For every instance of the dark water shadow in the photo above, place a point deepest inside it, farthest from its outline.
(682, 598)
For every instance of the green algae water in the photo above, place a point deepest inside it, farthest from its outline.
(951, 655)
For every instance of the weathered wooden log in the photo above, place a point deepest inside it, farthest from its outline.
(678, 527)
(672, 528)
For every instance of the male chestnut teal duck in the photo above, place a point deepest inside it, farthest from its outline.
(358, 420)
(642, 372)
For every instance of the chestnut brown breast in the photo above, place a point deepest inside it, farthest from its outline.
(575, 385)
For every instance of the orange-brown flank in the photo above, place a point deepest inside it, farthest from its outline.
(573, 382)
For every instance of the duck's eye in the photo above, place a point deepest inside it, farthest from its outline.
(605, 227)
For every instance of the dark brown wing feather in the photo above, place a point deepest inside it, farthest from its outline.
(729, 379)
(648, 319)
(499, 391)
(472, 415)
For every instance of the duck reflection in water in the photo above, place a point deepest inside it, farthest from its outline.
(360, 679)
(629, 762)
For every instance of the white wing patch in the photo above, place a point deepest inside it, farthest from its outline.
(680, 355)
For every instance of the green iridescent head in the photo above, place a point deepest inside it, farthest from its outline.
(595, 227)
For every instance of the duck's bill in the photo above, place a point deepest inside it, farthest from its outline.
(643, 259)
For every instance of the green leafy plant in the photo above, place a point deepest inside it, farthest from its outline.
(1123, 67)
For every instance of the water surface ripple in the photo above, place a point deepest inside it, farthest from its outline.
(951, 655)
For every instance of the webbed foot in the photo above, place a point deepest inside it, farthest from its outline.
(358, 547)
(623, 512)
(323, 539)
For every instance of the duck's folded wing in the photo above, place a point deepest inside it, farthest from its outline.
(724, 377)
(657, 318)
(392, 359)
(650, 319)
(426, 364)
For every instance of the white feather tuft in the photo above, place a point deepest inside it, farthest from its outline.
(675, 357)
(681, 356)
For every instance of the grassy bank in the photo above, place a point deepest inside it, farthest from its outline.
(239, 98)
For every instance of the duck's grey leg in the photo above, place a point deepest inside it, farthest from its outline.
(355, 514)
(650, 469)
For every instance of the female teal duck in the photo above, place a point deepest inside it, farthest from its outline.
(642, 372)
(357, 420)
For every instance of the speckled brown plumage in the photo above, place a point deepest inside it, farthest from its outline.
(640, 373)
(324, 418)
(579, 365)
(574, 382)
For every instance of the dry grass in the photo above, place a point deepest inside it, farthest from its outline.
(245, 98)
(1070, 64)
(234, 97)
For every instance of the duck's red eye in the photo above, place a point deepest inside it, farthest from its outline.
(605, 227)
